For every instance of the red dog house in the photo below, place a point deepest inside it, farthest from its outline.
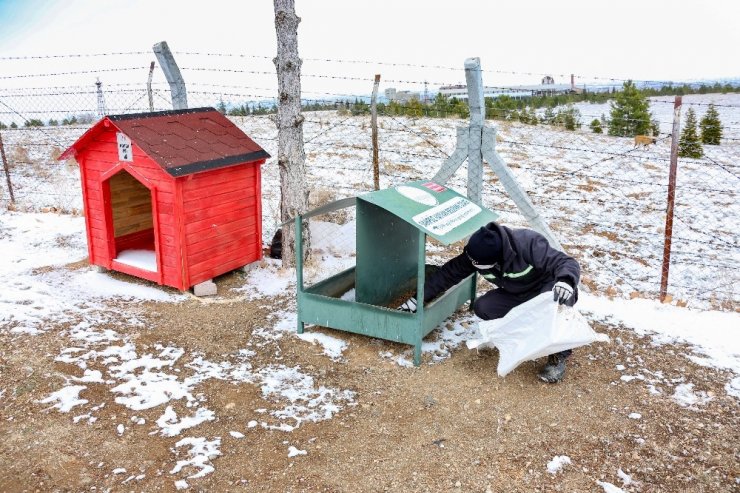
(173, 196)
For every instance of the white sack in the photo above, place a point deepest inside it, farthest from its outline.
(534, 329)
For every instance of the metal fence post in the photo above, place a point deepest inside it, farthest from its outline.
(476, 104)
(7, 170)
(374, 124)
(671, 199)
(478, 142)
(172, 73)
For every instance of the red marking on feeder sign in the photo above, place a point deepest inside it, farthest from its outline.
(172, 196)
(434, 187)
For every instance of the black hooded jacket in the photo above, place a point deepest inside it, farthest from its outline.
(529, 263)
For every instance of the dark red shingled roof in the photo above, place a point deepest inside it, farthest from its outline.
(182, 141)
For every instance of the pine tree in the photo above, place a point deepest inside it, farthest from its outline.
(630, 113)
(596, 126)
(221, 107)
(441, 105)
(570, 118)
(711, 126)
(549, 116)
(689, 144)
(533, 118)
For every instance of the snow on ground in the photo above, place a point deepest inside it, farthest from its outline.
(609, 488)
(33, 241)
(557, 463)
(604, 198)
(33, 293)
(145, 380)
(38, 289)
(712, 336)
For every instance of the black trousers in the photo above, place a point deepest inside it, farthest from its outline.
(496, 303)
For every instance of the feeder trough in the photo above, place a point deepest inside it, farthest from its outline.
(391, 232)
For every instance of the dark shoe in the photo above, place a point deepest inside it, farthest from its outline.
(554, 370)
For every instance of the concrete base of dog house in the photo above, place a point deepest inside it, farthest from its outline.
(206, 288)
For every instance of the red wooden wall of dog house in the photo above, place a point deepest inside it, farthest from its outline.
(222, 218)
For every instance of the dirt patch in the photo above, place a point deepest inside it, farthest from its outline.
(448, 426)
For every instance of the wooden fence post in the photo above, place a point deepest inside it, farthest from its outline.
(374, 123)
(671, 199)
(7, 170)
(149, 87)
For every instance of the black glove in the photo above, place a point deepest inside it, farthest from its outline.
(562, 292)
(409, 305)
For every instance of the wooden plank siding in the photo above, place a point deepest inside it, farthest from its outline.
(220, 221)
(132, 205)
(205, 272)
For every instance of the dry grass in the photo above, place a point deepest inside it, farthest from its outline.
(323, 196)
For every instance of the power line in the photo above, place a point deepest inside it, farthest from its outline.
(77, 55)
(77, 72)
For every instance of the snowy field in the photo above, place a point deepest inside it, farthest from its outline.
(604, 198)
(106, 371)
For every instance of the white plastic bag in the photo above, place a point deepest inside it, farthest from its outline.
(534, 329)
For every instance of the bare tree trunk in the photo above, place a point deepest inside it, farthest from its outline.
(291, 157)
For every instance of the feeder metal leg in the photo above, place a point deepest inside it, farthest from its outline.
(417, 354)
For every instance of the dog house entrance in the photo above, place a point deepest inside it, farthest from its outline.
(133, 226)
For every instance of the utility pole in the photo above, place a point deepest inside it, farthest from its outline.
(101, 99)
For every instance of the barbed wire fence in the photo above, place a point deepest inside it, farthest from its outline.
(604, 197)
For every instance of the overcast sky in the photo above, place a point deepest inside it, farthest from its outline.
(627, 39)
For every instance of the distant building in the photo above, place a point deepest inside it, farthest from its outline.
(547, 87)
(400, 96)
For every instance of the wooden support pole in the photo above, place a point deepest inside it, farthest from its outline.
(374, 123)
(149, 87)
(7, 170)
(671, 199)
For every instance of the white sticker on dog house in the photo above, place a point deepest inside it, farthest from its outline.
(124, 147)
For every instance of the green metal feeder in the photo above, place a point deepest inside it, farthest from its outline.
(391, 230)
